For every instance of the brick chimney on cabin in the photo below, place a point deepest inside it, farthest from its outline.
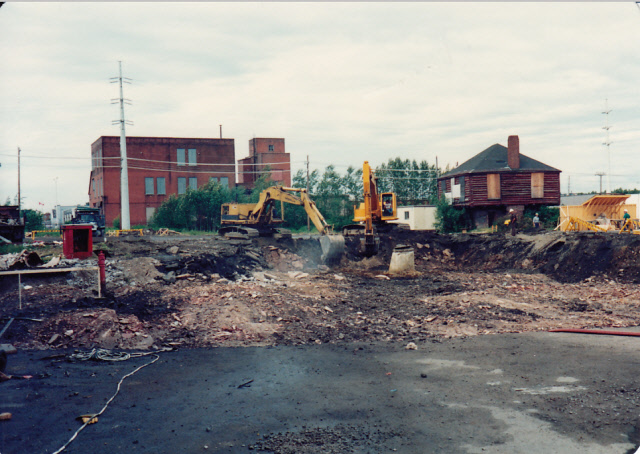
(513, 153)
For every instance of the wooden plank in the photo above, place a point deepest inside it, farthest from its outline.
(48, 270)
(493, 186)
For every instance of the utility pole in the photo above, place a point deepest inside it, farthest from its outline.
(607, 143)
(19, 201)
(600, 174)
(308, 223)
(125, 223)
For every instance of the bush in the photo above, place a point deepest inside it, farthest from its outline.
(450, 219)
(548, 217)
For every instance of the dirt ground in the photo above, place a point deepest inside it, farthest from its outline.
(207, 292)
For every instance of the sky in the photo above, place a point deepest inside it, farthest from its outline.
(341, 82)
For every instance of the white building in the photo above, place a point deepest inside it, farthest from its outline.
(418, 217)
(57, 215)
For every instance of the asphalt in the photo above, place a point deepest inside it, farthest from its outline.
(514, 393)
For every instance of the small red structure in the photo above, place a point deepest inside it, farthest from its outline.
(77, 241)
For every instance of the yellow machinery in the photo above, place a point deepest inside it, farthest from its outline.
(373, 214)
(601, 213)
(253, 219)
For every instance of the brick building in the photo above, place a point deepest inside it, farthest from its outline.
(263, 154)
(499, 179)
(158, 167)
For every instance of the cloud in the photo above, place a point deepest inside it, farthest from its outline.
(341, 82)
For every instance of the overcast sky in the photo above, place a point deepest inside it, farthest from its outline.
(341, 82)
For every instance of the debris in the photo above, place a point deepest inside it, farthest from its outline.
(383, 277)
(87, 419)
(246, 384)
(5, 416)
(328, 309)
(411, 346)
(53, 338)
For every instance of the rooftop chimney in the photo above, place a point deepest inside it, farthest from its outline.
(513, 153)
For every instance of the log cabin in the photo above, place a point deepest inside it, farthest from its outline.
(499, 179)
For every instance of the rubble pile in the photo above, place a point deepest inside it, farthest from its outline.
(207, 292)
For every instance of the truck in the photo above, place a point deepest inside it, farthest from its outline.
(83, 214)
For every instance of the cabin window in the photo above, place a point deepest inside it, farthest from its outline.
(493, 186)
(537, 185)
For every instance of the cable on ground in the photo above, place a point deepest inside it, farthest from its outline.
(108, 355)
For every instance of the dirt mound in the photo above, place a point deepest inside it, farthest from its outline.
(567, 257)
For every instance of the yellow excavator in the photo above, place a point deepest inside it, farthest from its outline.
(373, 215)
(262, 219)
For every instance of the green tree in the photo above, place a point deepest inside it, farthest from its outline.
(450, 219)
(196, 209)
(412, 182)
(34, 220)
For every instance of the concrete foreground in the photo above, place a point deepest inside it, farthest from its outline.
(517, 393)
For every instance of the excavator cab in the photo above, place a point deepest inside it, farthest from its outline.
(389, 209)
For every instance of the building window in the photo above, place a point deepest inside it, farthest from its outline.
(212, 179)
(93, 185)
(270, 147)
(181, 157)
(192, 156)
(406, 215)
(162, 188)
(182, 185)
(148, 186)
(193, 183)
(224, 181)
(537, 185)
(493, 186)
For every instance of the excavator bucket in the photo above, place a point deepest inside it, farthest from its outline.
(332, 248)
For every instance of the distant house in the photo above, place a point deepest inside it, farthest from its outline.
(499, 179)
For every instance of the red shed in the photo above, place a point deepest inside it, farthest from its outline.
(498, 179)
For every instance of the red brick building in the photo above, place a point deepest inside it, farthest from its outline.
(265, 154)
(499, 179)
(158, 167)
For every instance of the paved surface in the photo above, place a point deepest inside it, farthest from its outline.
(525, 393)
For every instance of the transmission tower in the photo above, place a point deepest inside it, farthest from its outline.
(607, 142)
(125, 222)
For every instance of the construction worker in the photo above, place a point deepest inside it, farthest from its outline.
(536, 222)
(513, 222)
(626, 218)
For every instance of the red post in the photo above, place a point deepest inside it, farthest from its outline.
(101, 265)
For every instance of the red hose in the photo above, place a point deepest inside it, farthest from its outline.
(595, 331)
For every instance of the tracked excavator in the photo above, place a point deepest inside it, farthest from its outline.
(373, 215)
(262, 219)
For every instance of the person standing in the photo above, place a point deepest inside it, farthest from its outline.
(536, 222)
(513, 222)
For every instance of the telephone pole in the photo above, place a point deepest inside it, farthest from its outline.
(125, 223)
(19, 201)
(308, 223)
